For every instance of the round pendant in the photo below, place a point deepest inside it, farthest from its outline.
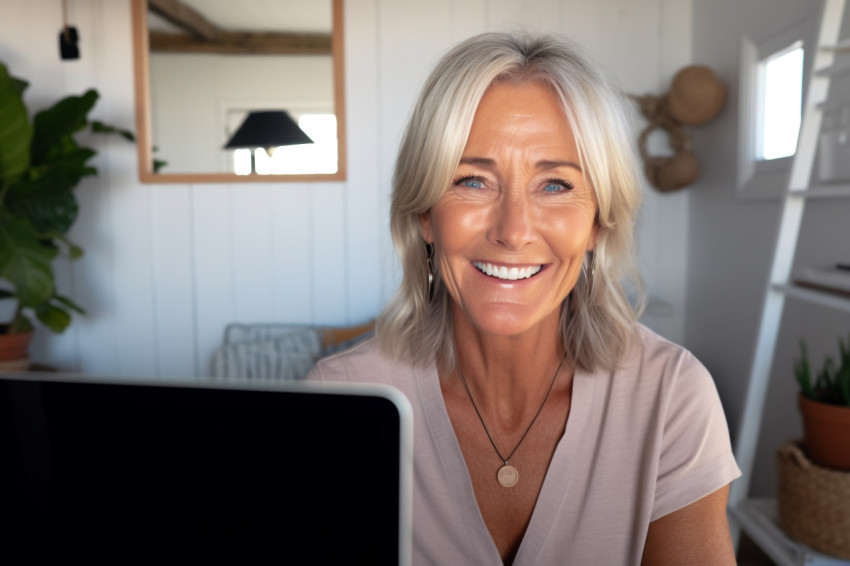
(507, 476)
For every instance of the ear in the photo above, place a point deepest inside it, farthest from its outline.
(425, 225)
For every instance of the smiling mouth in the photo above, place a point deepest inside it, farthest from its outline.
(507, 273)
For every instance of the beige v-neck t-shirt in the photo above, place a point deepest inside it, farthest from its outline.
(640, 442)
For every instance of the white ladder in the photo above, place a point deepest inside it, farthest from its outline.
(778, 286)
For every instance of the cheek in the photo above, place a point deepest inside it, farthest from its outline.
(452, 226)
(571, 232)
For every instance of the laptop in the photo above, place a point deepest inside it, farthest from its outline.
(99, 471)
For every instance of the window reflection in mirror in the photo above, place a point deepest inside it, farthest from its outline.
(201, 68)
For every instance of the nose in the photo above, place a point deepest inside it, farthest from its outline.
(513, 223)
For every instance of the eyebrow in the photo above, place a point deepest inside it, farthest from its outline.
(541, 165)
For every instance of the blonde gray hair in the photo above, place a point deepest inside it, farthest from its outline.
(597, 319)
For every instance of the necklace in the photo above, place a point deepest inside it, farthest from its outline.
(507, 475)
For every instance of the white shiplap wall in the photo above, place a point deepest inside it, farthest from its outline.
(168, 266)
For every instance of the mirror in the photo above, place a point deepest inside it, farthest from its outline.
(202, 67)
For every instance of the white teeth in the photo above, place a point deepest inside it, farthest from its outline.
(510, 274)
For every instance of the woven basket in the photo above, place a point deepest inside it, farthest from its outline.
(814, 502)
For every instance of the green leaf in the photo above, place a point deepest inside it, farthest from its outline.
(843, 375)
(46, 196)
(48, 209)
(19, 85)
(69, 303)
(55, 318)
(15, 129)
(75, 251)
(100, 127)
(801, 371)
(51, 238)
(25, 262)
(52, 128)
(20, 324)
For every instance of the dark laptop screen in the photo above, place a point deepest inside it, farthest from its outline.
(112, 473)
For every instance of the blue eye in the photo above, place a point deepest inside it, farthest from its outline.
(470, 182)
(557, 186)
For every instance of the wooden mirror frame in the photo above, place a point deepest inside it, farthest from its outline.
(144, 138)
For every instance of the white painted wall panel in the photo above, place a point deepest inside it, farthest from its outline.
(94, 281)
(524, 15)
(366, 215)
(174, 280)
(329, 264)
(292, 272)
(215, 304)
(252, 244)
(135, 324)
(468, 17)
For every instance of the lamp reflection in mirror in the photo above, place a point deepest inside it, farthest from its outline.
(267, 129)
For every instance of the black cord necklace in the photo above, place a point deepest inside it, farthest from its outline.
(507, 475)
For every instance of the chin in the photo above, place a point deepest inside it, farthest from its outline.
(509, 320)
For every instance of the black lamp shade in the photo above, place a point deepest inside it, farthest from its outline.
(267, 128)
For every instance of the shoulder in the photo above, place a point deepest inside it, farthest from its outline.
(364, 363)
(653, 358)
(695, 456)
(652, 349)
(666, 382)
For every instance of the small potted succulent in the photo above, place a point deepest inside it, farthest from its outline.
(824, 401)
(40, 166)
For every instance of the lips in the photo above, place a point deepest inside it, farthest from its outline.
(507, 273)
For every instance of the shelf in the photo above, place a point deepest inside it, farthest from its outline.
(822, 298)
(759, 519)
(835, 69)
(839, 47)
(824, 191)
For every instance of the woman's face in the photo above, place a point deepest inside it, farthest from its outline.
(511, 231)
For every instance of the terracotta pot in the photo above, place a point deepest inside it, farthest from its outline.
(826, 433)
(14, 350)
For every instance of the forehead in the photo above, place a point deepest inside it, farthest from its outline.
(520, 112)
(529, 97)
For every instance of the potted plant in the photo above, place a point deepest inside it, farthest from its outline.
(40, 166)
(825, 406)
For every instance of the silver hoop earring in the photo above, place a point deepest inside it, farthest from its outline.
(429, 253)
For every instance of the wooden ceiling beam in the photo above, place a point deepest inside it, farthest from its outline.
(245, 43)
(185, 18)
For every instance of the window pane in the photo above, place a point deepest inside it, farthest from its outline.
(317, 157)
(781, 102)
(242, 161)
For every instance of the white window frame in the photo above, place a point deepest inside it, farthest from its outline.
(758, 178)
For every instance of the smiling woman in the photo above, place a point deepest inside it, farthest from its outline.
(519, 204)
(203, 66)
(552, 428)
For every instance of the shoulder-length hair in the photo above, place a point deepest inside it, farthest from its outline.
(597, 319)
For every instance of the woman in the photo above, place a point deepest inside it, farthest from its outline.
(550, 427)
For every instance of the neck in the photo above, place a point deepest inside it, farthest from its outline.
(508, 375)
